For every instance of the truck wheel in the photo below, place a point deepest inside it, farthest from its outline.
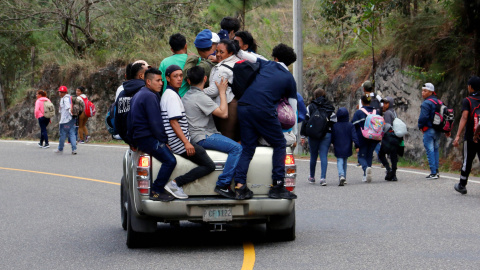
(282, 228)
(123, 203)
(134, 239)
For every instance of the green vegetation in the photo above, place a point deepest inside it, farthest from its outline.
(435, 38)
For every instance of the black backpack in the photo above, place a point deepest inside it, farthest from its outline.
(244, 73)
(317, 124)
(376, 104)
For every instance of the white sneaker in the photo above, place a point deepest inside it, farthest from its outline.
(364, 178)
(369, 174)
(323, 182)
(175, 190)
(58, 152)
(116, 137)
(342, 181)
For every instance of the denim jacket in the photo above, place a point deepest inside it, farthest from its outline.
(427, 112)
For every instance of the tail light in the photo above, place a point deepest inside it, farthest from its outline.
(143, 174)
(290, 172)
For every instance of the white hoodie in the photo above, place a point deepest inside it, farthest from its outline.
(65, 111)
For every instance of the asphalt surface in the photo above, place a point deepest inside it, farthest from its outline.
(57, 221)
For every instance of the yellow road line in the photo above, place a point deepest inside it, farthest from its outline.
(249, 250)
(248, 256)
(62, 175)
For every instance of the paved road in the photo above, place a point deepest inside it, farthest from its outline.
(69, 220)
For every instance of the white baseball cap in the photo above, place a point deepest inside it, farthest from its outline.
(429, 87)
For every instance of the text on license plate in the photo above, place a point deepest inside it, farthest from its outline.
(217, 214)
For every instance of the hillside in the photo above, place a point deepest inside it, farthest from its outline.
(410, 41)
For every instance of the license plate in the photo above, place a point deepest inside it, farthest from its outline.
(217, 214)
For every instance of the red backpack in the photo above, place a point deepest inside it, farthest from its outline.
(89, 107)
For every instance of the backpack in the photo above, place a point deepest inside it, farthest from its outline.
(443, 118)
(317, 124)
(48, 109)
(110, 119)
(376, 104)
(77, 106)
(373, 128)
(244, 73)
(285, 113)
(399, 127)
(89, 107)
(474, 111)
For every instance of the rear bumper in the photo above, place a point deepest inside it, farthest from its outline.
(259, 207)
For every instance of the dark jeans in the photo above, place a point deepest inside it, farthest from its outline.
(43, 122)
(365, 154)
(204, 162)
(393, 158)
(254, 123)
(470, 150)
(162, 153)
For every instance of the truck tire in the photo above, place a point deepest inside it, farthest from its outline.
(134, 239)
(123, 203)
(282, 228)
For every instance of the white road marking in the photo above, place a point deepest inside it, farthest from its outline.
(78, 144)
(401, 170)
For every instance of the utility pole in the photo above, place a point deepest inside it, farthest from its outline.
(298, 47)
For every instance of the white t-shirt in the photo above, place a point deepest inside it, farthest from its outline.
(119, 90)
(172, 108)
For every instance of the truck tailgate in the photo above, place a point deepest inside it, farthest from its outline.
(259, 176)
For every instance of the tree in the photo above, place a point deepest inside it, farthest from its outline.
(72, 19)
(237, 8)
(471, 22)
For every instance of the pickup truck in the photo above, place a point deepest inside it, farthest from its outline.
(140, 215)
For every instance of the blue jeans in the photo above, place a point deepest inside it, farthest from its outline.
(254, 123)
(67, 129)
(365, 154)
(319, 148)
(342, 167)
(226, 145)
(162, 153)
(431, 141)
(43, 122)
(377, 150)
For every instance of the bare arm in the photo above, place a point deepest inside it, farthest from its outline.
(222, 110)
(178, 131)
(461, 126)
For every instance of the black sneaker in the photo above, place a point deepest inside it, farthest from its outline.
(389, 176)
(161, 196)
(280, 192)
(225, 192)
(432, 176)
(243, 193)
(438, 173)
(460, 188)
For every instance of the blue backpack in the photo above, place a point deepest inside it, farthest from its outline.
(110, 119)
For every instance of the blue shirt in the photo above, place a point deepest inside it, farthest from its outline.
(427, 112)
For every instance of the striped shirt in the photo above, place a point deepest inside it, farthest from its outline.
(172, 108)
